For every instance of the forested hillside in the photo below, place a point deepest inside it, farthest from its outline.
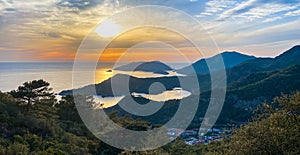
(51, 127)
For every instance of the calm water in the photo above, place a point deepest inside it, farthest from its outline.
(59, 75)
(175, 94)
(106, 101)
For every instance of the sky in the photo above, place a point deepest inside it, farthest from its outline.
(52, 30)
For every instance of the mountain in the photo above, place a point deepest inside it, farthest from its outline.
(243, 95)
(269, 84)
(152, 66)
(230, 59)
(249, 84)
(238, 72)
(140, 85)
(258, 87)
(289, 58)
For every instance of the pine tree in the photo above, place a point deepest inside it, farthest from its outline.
(33, 91)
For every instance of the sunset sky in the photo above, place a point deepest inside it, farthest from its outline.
(52, 30)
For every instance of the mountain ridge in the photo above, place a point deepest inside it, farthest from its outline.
(249, 84)
(233, 74)
(230, 59)
(288, 58)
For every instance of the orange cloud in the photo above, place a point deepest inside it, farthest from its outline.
(57, 56)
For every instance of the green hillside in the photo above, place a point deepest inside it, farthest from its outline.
(267, 84)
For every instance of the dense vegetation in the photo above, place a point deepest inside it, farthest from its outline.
(267, 84)
(48, 127)
(51, 127)
(274, 130)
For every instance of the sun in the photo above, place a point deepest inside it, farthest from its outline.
(108, 29)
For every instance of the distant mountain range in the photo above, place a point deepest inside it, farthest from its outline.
(230, 59)
(288, 58)
(250, 81)
(141, 85)
(234, 74)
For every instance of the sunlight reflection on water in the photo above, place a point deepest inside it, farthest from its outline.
(106, 102)
(59, 75)
(175, 94)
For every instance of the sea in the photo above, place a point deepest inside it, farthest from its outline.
(60, 75)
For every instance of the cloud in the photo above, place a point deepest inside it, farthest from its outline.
(46, 27)
(5, 3)
(235, 33)
(10, 9)
(80, 4)
(268, 9)
(293, 13)
(215, 6)
(60, 25)
(5, 6)
(271, 19)
(43, 26)
(275, 33)
(258, 8)
(52, 35)
(241, 8)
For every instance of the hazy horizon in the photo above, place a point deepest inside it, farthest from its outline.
(72, 61)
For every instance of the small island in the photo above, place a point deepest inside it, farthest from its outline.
(152, 66)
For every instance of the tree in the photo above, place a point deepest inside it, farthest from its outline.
(274, 131)
(67, 109)
(17, 148)
(33, 91)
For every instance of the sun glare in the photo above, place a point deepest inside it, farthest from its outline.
(108, 28)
